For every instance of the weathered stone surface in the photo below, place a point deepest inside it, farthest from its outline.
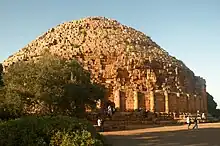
(136, 71)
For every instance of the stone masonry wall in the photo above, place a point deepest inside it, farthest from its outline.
(136, 71)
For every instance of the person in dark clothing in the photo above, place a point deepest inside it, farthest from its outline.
(196, 123)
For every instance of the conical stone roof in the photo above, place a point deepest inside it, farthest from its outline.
(118, 56)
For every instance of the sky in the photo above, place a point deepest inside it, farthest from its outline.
(187, 29)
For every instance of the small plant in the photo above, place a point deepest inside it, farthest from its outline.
(75, 45)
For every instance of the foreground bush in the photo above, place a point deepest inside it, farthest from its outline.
(54, 131)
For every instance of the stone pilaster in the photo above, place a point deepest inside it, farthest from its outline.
(152, 101)
(178, 103)
(202, 104)
(187, 103)
(195, 107)
(135, 97)
(166, 102)
(117, 98)
(205, 104)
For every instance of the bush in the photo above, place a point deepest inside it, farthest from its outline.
(1, 71)
(78, 138)
(54, 131)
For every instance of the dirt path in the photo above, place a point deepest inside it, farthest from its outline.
(207, 135)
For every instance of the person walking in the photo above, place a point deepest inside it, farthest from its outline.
(195, 123)
(109, 111)
(100, 123)
(203, 116)
(188, 121)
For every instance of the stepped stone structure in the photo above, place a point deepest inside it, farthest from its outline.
(136, 71)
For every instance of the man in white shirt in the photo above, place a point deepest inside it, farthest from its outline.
(203, 116)
(188, 121)
(100, 124)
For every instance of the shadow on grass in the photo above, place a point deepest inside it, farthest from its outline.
(200, 137)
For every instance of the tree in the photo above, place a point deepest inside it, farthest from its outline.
(1, 72)
(212, 105)
(50, 85)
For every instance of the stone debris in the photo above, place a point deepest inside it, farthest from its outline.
(135, 69)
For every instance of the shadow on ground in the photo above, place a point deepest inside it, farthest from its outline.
(136, 127)
(200, 137)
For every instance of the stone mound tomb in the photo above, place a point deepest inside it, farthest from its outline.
(136, 71)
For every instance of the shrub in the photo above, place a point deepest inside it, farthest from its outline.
(54, 131)
(78, 138)
(1, 71)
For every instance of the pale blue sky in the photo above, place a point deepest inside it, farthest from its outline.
(187, 29)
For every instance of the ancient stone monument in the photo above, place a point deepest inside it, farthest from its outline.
(136, 71)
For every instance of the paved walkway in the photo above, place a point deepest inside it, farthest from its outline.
(207, 135)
